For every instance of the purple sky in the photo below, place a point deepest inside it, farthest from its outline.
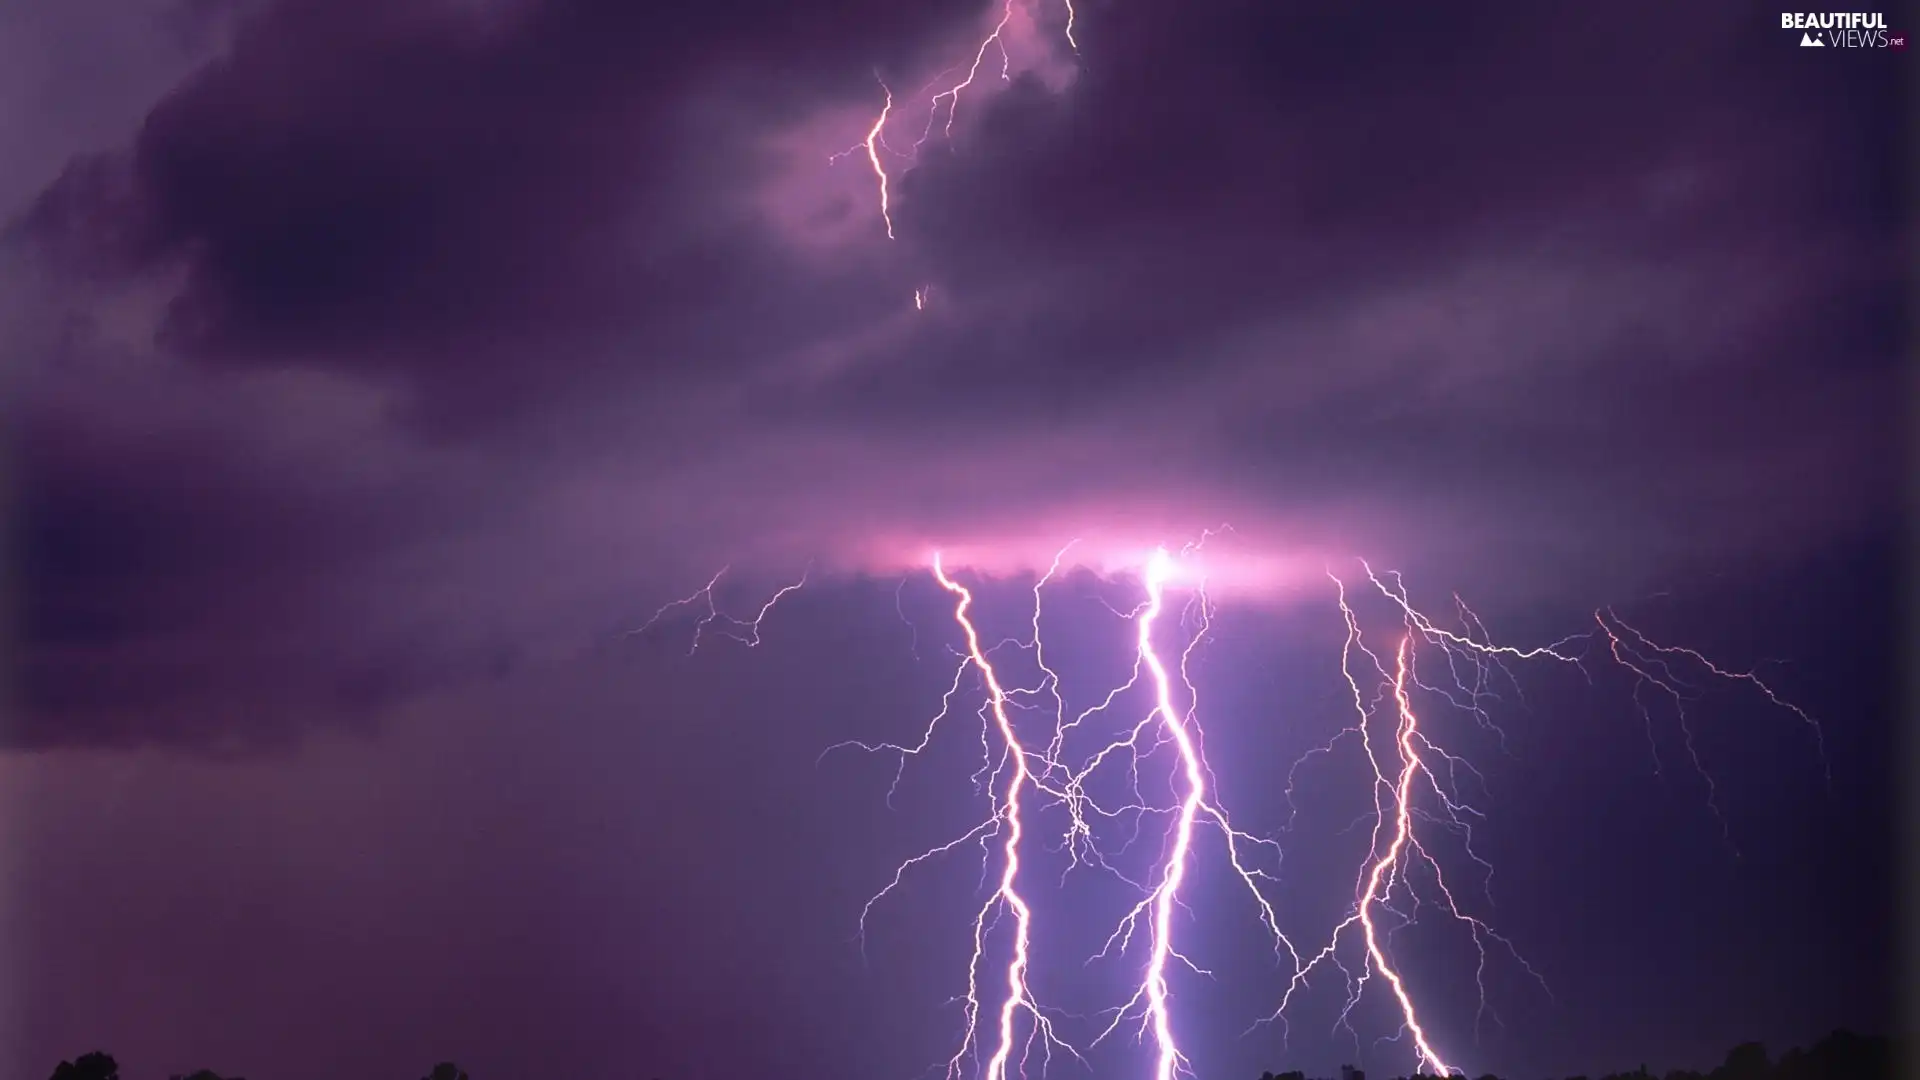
(383, 363)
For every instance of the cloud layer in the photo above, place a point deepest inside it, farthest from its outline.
(402, 343)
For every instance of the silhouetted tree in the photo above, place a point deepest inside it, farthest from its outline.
(1748, 1061)
(94, 1066)
(1842, 1055)
(447, 1070)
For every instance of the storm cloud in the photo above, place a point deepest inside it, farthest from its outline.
(404, 343)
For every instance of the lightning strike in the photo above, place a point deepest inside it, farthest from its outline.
(1175, 871)
(1421, 825)
(872, 145)
(951, 95)
(944, 101)
(1402, 832)
(1015, 764)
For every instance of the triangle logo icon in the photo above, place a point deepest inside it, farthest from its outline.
(1808, 40)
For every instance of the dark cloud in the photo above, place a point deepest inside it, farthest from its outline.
(184, 574)
(567, 300)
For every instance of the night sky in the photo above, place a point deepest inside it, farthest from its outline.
(378, 365)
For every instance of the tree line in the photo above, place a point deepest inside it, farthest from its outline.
(102, 1066)
(1841, 1055)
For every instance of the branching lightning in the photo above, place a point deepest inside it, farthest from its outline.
(940, 100)
(1089, 772)
(744, 631)
(1420, 823)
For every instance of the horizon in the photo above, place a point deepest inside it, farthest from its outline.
(1890, 1047)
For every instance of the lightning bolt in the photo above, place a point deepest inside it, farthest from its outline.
(1418, 814)
(951, 95)
(873, 144)
(1014, 763)
(938, 102)
(1388, 860)
(1174, 872)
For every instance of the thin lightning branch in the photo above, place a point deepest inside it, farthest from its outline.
(744, 631)
(951, 95)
